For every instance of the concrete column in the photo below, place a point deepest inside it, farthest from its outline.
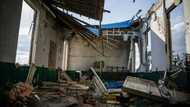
(133, 57)
(10, 13)
(186, 4)
(65, 55)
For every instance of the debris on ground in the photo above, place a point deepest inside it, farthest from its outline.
(20, 94)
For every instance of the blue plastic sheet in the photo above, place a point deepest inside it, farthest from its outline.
(119, 25)
(113, 84)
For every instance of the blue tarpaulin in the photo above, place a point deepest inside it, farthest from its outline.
(113, 84)
(94, 30)
(119, 25)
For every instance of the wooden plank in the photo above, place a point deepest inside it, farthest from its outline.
(31, 73)
(99, 82)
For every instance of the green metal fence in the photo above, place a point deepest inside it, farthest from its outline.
(11, 74)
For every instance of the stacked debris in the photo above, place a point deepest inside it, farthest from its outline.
(151, 92)
(21, 94)
(91, 91)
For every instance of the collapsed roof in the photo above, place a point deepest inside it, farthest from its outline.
(89, 8)
(128, 24)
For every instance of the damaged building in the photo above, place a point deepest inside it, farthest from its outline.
(72, 63)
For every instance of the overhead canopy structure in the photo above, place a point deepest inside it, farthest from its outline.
(76, 27)
(73, 24)
(89, 8)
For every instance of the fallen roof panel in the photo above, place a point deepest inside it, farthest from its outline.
(142, 87)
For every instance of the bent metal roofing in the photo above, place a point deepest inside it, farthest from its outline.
(89, 8)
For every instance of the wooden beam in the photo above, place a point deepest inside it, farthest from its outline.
(91, 43)
(110, 44)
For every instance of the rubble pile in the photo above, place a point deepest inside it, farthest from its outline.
(20, 94)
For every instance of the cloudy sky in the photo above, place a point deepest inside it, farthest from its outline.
(178, 30)
(121, 10)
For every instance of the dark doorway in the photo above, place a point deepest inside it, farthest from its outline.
(52, 55)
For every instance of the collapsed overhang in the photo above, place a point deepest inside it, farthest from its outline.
(89, 8)
(77, 27)
(72, 23)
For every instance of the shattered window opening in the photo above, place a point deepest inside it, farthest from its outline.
(25, 34)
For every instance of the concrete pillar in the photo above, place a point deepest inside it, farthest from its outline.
(65, 55)
(186, 77)
(186, 4)
(10, 13)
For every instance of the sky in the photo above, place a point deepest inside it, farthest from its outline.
(24, 38)
(121, 10)
(178, 31)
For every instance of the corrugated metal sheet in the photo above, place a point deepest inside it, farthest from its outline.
(89, 8)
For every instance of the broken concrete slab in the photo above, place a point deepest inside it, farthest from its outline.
(142, 87)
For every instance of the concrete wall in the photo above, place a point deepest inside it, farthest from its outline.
(82, 56)
(10, 13)
(158, 38)
(187, 24)
(158, 53)
(48, 29)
